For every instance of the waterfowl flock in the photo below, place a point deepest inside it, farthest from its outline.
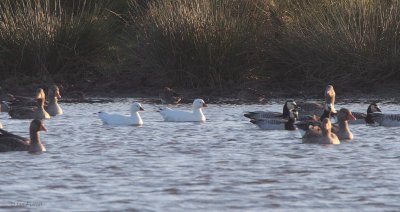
(321, 123)
(318, 123)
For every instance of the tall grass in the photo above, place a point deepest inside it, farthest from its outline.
(196, 43)
(201, 43)
(41, 39)
(348, 42)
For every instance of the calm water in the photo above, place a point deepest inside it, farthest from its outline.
(226, 163)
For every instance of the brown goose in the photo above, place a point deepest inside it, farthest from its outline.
(53, 108)
(11, 142)
(320, 134)
(169, 96)
(342, 130)
(251, 95)
(37, 112)
(316, 108)
(22, 101)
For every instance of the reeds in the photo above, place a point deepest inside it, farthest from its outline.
(197, 43)
(41, 39)
(202, 43)
(345, 42)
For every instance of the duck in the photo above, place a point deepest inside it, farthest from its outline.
(342, 129)
(185, 116)
(278, 124)
(11, 142)
(382, 119)
(258, 115)
(53, 108)
(362, 118)
(37, 112)
(319, 134)
(169, 96)
(116, 119)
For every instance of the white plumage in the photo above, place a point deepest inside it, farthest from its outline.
(185, 116)
(117, 119)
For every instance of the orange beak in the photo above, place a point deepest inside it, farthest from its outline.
(351, 117)
(205, 105)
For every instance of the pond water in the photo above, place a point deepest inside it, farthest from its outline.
(226, 163)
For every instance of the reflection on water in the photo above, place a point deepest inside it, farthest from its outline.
(224, 164)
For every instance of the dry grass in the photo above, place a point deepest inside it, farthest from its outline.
(202, 43)
(197, 43)
(41, 39)
(345, 42)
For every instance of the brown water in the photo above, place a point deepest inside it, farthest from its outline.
(226, 163)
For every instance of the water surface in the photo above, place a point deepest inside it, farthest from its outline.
(226, 163)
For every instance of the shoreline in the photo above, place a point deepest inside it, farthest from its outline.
(228, 94)
(388, 94)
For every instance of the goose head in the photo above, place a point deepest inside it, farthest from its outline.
(36, 126)
(199, 103)
(136, 107)
(289, 105)
(330, 95)
(40, 94)
(345, 114)
(373, 107)
(326, 124)
(294, 114)
(54, 92)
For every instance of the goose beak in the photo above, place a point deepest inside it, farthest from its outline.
(42, 128)
(58, 94)
(205, 105)
(351, 117)
(141, 109)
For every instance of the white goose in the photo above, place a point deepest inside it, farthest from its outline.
(185, 116)
(116, 119)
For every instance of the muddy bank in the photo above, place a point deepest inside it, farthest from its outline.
(243, 94)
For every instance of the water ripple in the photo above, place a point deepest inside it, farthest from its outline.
(223, 164)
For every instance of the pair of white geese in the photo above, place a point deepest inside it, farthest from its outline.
(196, 115)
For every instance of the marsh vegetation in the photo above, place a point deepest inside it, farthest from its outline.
(200, 43)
